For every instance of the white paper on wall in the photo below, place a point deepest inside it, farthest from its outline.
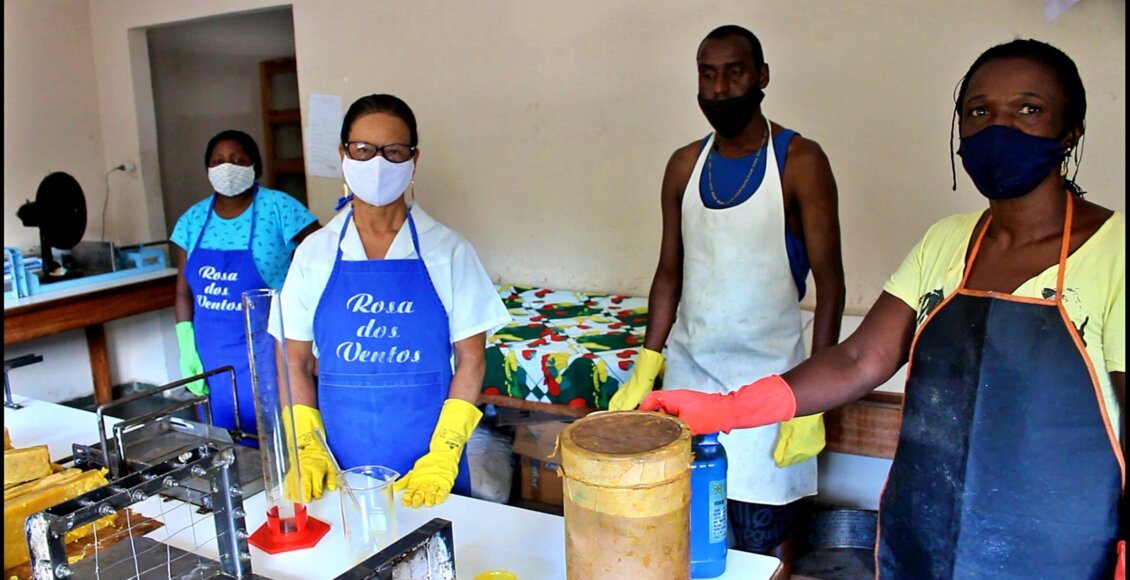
(322, 133)
(1055, 8)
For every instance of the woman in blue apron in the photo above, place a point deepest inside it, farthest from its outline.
(240, 238)
(1012, 320)
(392, 309)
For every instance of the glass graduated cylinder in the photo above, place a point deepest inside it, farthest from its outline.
(271, 387)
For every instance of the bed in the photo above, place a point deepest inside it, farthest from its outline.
(564, 347)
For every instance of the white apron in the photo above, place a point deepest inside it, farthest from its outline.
(739, 320)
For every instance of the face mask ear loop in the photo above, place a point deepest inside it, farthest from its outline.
(412, 183)
(1078, 161)
(1079, 156)
(953, 162)
(1074, 153)
(953, 123)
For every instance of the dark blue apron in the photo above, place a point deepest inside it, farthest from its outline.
(1006, 465)
(218, 279)
(384, 361)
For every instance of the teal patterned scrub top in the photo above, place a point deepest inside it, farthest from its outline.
(278, 218)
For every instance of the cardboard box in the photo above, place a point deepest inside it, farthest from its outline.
(540, 481)
(536, 446)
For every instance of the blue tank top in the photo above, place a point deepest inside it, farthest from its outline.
(728, 177)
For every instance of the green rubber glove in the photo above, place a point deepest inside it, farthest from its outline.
(314, 463)
(190, 364)
(648, 365)
(432, 477)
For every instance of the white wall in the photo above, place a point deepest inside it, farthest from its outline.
(64, 372)
(206, 80)
(52, 123)
(51, 110)
(553, 121)
(851, 480)
(580, 104)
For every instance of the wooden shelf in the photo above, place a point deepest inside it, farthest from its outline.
(284, 116)
(297, 165)
(280, 123)
(869, 426)
(524, 404)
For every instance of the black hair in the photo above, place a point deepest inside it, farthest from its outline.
(1075, 112)
(728, 30)
(244, 140)
(387, 104)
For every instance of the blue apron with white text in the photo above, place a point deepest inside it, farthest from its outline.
(384, 361)
(218, 279)
(1006, 465)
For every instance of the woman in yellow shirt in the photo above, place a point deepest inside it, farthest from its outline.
(1012, 321)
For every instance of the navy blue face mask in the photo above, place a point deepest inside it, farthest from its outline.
(1005, 163)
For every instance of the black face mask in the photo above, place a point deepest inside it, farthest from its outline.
(730, 117)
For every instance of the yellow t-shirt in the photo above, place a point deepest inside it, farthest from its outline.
(1094, 288)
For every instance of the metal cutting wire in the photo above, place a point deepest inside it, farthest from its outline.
(136, 557)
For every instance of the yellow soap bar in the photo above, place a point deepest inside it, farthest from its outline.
(54, 479)
(87, 529)
(18, 509)
(26, 464)
(7, 440)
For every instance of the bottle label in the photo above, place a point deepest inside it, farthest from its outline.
(718, 511)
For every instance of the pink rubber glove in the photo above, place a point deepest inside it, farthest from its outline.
(1120, 566)
(762, 402)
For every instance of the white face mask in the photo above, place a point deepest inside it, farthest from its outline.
(377, 181)
(230, 179)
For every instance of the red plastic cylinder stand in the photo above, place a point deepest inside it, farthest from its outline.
(285, 535)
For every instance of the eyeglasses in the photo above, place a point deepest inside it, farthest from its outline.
(394, 152)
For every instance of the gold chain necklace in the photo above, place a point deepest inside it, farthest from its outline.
(741, 188)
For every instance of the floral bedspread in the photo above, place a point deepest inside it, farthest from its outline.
(569, 348)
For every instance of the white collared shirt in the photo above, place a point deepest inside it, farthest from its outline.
(466, 291)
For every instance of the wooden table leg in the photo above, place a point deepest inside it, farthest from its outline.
(99, 363)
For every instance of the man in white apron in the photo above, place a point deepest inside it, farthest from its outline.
(741, 229)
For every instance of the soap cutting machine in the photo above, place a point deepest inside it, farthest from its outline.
(142, 442)
(200, 464)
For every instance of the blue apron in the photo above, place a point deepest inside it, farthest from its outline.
(218, 279)
(1006, 466)
(384, 361)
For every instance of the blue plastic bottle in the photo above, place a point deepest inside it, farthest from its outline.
(708, 507)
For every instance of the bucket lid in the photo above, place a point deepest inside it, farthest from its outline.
(626, 448)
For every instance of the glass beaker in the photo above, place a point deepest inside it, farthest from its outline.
(368, 514)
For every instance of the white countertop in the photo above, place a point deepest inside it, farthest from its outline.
(50, 295)
(487, 535)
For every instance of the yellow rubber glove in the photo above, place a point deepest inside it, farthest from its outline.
(190, 364)
(648, 365)
(432, 477)
(314, 463)
(800, 439)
